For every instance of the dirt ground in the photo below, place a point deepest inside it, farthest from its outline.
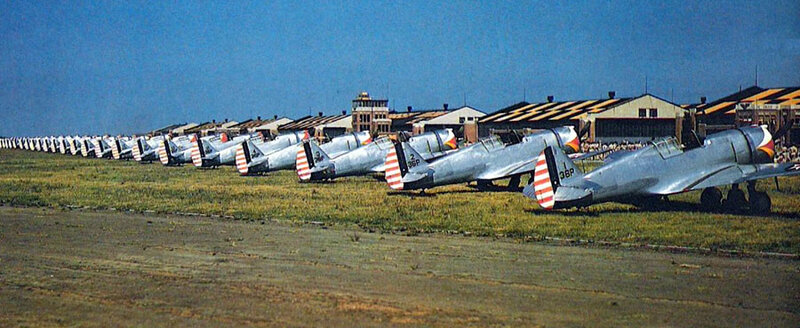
(116, 269)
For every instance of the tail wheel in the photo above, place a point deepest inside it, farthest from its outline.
(735, 199)
(760, 202)
(711, 198)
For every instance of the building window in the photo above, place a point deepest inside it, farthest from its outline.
(461, 120)
(653, 112)
(642, 112)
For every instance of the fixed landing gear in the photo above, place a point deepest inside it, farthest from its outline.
(735, 199)
(711, 198)
(760, 203)
(485, 185)
(513, 184)
(757, 201)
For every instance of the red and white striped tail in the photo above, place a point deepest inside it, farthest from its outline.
(241, 160)
(162, 154)
(197, 160)
(137, 154)
(393, 175)
(115, 148)
(97, 152)
(542, 187)
(303, 171)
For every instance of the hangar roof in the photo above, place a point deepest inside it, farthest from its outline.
(403, 118)
(755, 95)
(553, 111)
(253, 123)
(309, 122)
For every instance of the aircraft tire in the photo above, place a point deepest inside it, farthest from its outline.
(760, 203)
(711, 198)
(735, 199)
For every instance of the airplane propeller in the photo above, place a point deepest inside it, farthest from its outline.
(584, 130)
(781, 132)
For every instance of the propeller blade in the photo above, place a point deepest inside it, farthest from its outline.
(781, 132)
(585, 130)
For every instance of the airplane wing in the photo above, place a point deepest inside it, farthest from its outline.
(582, 156)
(744, 173)
(378, 168)
(735, 174)
(513, 169)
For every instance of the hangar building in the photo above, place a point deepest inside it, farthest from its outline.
(613, 119)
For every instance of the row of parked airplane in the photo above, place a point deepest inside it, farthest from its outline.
(642, 177)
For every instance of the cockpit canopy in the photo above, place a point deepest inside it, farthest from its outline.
(491, 143)
(668, 147)
(383, 143)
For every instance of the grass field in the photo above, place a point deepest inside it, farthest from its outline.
(38, 179)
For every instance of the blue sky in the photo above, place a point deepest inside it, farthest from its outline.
(114, 67)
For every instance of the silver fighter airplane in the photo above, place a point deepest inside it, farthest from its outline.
(218, 150)
(122, 148)
(251, 159)
(278, 154)
(102, 147)
(87, 149)
(314, 164)
(145, 150)
(664, 168)
(75, 145)
(176, 151)
(487, 160)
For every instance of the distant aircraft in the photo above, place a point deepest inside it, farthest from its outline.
(312, 163)
(218, 150)
(102, 147)
(51, 144)
(77, 145)
(122, 148)
(176, 151)
(87, 149)
(487, 160)
(278, 154)
(250, 160)
(663, 168)
(145, 150)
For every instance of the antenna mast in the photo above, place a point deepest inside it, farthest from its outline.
(756, 74)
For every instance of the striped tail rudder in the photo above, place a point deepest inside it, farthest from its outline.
(302, 163)
(98, 147)
(394, 174)
(543, 186)
(137, 150)
(242, 158)
(115, 149)
(85, 148)
(163, 152)
(197, 152)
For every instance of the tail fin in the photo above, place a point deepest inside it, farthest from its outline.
(198, 151)
(553, 169)
(85, 148)
(116, 148)
(165, 152)
(308, 157)
(243, 157)
(401, 160)
(98, 143)
(395, 166)
(138, 149)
